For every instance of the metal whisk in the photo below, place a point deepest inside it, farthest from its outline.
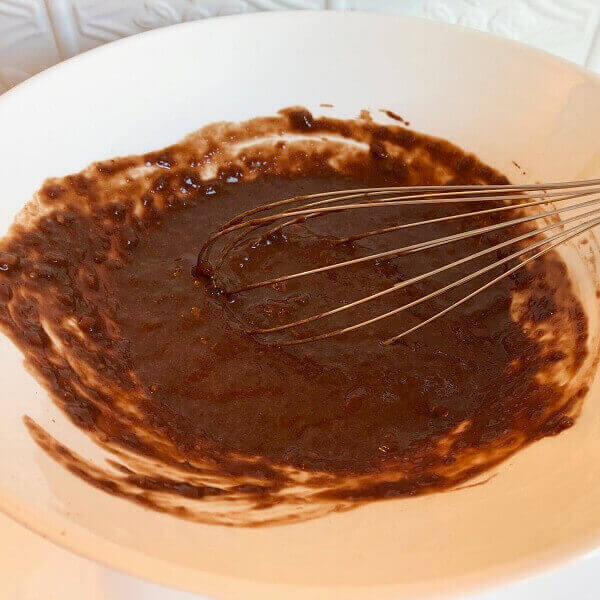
(553, 229)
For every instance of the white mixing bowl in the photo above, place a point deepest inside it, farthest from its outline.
(504, 101)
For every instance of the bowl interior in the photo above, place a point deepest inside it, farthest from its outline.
(505, 102)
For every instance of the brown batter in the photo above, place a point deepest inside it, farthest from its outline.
(213, 424)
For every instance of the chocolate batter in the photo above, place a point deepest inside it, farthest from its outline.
(211, 423)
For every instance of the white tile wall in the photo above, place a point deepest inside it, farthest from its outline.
(37, 33)
(84, 24)
(27, 43)
(564, 27)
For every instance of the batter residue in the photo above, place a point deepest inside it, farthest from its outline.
(209, 423)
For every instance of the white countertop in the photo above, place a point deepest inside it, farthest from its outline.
(35, 34)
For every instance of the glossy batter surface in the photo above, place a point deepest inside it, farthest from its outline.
(213, 424)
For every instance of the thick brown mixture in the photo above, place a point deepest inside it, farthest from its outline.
(213, 424)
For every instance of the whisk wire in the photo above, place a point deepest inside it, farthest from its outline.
(411, 249)
(418, 278)
(429, 296)
(400, 201)
(410, 195)
(321, 204)
(577, 231)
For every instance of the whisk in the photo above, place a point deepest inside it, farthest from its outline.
(550, 230)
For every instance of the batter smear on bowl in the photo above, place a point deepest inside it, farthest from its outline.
(209, 423)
